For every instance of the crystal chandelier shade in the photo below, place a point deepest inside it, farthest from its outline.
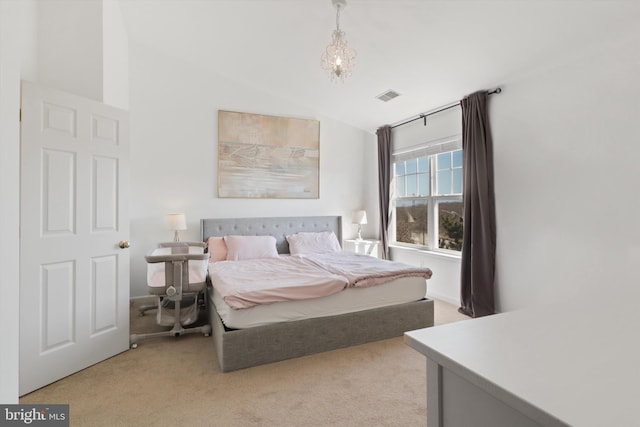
(338, 59)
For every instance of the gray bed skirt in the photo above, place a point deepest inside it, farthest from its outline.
(243, 348)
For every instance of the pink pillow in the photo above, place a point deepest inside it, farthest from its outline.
(250, 247)
(313, 243)
(217, 249)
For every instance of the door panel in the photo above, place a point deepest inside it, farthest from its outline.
(58, 197)
(74, 284)
(57, 301)
(104, 194)
(104, 294)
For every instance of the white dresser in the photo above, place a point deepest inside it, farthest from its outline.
(571, 364)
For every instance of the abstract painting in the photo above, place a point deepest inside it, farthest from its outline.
(262, 156)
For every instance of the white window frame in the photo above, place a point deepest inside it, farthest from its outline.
(430, 149)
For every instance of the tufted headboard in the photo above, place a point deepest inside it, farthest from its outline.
(278, 227)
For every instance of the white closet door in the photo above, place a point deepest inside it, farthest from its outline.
(74, 276)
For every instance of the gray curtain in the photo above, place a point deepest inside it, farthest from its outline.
(479, 242)
(384, 185)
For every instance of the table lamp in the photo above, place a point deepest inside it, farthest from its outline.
(176, 222)
(359, 217)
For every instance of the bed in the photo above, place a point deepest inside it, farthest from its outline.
(246, 339)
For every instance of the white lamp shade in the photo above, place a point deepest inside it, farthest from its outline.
(359, 217)
(177, 222)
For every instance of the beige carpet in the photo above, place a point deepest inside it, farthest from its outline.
(176, 381)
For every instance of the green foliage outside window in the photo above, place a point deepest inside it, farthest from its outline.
(453, 232)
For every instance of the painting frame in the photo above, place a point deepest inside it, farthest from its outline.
(268, 157)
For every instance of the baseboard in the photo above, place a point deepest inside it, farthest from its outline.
(443, 297)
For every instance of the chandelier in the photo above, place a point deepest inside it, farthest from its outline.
(338, 59)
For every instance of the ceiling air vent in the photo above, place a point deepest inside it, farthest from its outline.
(388, 95)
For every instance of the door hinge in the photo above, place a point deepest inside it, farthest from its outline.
(21, 115)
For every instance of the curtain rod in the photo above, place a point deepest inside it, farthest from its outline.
(424, 116)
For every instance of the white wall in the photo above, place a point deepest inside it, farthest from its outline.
(70, 51)
(445, 282)
(566, 147)
(115, 57)
(17, 61)
(83, 49)
(173, 111)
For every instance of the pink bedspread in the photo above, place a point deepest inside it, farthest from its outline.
(247, 283)
(364, 271)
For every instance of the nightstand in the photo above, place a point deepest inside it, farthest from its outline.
(364, 246)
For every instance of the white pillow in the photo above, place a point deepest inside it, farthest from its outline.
(250, 247)
(304, 243)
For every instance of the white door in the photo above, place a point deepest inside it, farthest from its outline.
(74, 277)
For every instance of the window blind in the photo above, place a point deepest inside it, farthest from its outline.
(437, 146)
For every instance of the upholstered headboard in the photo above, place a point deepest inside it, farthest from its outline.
(278, 227)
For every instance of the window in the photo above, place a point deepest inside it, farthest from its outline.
(428, 198)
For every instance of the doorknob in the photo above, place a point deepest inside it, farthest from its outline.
(123, 244)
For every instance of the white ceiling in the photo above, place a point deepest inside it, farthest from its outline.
(431, 52)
